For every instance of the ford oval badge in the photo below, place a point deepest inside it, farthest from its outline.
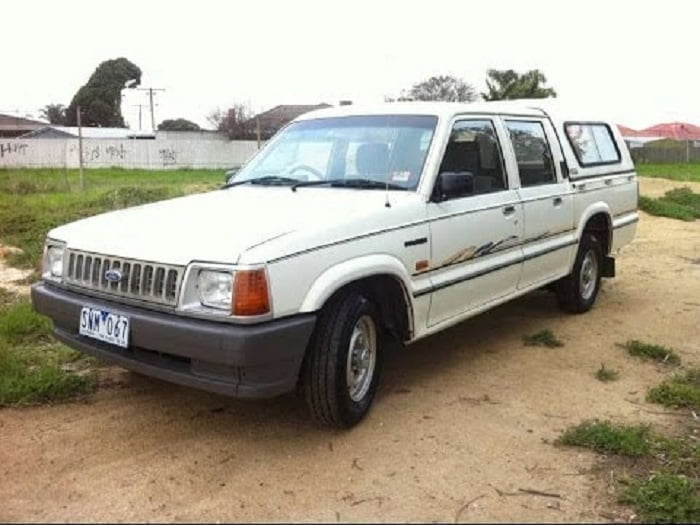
(113, 275)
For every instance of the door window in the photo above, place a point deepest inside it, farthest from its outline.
(473, 150)
(532, 152)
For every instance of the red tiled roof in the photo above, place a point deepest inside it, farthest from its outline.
(673, 130)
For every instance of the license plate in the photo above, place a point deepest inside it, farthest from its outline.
(105, 326)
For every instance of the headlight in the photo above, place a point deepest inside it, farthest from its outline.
(53, 261)
(215, 289)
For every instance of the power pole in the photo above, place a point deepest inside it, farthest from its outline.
(140, 106)
(150, 101)
(80, 145)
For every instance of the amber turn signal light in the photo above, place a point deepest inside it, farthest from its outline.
(250, 294)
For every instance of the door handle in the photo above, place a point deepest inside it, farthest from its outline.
(508, 210)
(557, 201)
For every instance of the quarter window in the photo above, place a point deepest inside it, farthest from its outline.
(532, 153)
(592, 143)
(473, 150)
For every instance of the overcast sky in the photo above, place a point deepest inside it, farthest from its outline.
(636, 61)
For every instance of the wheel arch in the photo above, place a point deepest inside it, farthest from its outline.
(597, 218)
(382, 277)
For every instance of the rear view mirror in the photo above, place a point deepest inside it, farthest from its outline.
(453, 185)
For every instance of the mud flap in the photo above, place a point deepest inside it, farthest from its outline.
(608, 266)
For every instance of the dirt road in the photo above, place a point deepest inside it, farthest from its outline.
(462, 418)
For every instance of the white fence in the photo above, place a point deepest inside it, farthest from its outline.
(125, 153)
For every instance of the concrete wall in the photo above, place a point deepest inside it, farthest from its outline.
(143, 154)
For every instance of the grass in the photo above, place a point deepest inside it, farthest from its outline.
(680, 203)
(680, 391)
(606, 374)
(542, 338)
(661, 484)
(653, 352)
(33, 369)
(664, 498)
(681, 172)
(605, 437)
(33, 201)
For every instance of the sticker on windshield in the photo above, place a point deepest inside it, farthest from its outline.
(400, 176)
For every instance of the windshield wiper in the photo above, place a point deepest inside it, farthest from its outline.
(351, 183)
(271, 180)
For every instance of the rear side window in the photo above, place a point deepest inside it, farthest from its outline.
(535, 166)
(593, 143)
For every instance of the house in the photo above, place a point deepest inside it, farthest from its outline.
(272, 120)
(71, 132)
(12, 126)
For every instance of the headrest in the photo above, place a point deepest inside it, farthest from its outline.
(372, 158)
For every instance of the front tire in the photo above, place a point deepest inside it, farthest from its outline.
(577, 292)
(343, 361)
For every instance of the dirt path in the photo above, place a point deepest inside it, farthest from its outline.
(459, 417)
(10, 278)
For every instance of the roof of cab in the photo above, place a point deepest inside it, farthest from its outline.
(525, 107)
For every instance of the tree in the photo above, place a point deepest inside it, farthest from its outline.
(236, 121)
(178, 124)
(100, 100)
(444, 88)
(507, 84)
(54, 113)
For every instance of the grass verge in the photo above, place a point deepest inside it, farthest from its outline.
(33, 201)
(542, 338)
(652, 352)
(680, 203)
(682, 172)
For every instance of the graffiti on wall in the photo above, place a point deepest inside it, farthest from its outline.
(12, 148)
(168, 156)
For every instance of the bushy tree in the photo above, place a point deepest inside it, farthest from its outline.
(178, 124)
(443, 88)
(236, 121)
(54, 114)
(507, 84)
(100, 99)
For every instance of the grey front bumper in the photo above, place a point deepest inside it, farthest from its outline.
(252, 361)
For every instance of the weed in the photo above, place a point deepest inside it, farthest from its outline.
(605, 437)
(542, 338)
(606, 374)
(652, 351)
(681, 391)
(664, 498)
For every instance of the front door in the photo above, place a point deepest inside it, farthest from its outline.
(476, 255)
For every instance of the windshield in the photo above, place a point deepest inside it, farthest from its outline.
(371, 149)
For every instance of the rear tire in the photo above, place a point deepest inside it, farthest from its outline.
(577, 292)
(343, 362)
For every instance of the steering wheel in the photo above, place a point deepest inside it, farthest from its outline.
(317, 175)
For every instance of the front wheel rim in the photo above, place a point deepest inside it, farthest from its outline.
(362, 358)
(588, 277)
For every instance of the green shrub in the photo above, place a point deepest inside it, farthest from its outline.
(606, 437)
(664, 498)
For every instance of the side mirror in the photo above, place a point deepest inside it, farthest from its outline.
(231, 174)
(453, 185)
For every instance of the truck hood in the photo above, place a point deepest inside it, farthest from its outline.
(217, 226)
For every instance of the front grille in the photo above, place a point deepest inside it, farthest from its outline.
(144, 281)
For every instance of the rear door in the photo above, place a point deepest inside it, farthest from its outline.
(549, 238)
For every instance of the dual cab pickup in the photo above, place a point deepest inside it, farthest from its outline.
(351, 224)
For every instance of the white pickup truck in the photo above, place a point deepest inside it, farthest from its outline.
(351, 224)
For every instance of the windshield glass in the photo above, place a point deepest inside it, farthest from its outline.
(380, 149)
